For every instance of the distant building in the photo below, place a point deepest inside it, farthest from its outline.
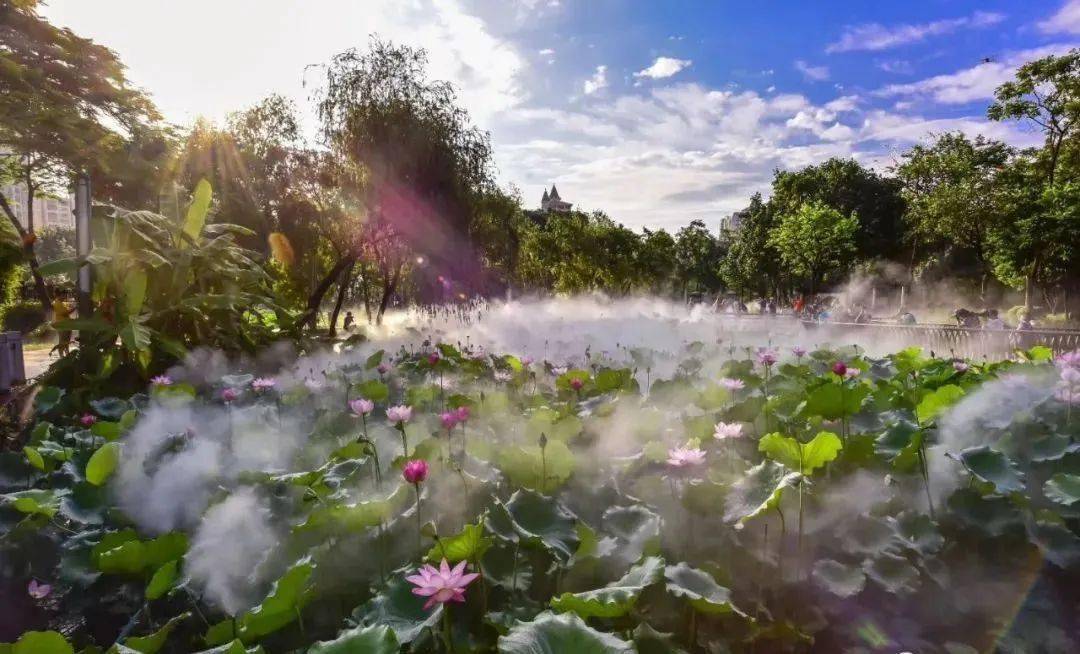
(552, 201)
(734, 222)
(49, 212)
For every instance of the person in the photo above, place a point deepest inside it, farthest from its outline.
(62, 311)
(993, 321)
(1025, 324)
(348, 320)
(906, 318)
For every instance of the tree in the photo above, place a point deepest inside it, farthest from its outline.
(697, 259)
(1045, 93)
(656, 261)
(751, 266)
(815, 241)
(65, 106)
(951, 190)
(853, 190)
(420, 164)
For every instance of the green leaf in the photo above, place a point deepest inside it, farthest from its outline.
(135, 336)
(1063, 488)
(102, 463)
(112, 408)
(35, 458)
(374, 360)
(106, 429)
(650, 641)
(699, 589)
(34, 502)
(801, 457)
(935, 402)
(42, 642)
(59, 267)
(839, 579)
(163, 580)
(527, 467)
(378, 639)
(893, 572)
(636, 528)
(617, 598)
(467, 545)
(758, 491)
(993, 467)
(134, 291)
(551, 633)
(397, 608)
(834, 401)
(154, 642)
(541, 521)
(197, 210)
(374, 390)
(48, 398)
(820, 450)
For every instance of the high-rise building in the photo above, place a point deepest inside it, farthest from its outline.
(49, 212)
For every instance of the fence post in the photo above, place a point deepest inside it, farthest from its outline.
(82, 245)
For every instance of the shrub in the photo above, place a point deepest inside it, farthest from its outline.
(23, 317)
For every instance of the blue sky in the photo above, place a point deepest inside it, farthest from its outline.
(656, 112)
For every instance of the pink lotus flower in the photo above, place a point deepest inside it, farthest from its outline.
(960, 366)
(725, 430)
(576, 383)
(799, 351)
(38, 591)
(263, 383)
(229, 394)
(361, 407)
(462, 413)
(503, 376)
(767, 356)
(415, 471)
(558, 371)
(441, 585)
(526, 361)
(852, 372)
(1068, 395)
(448, 419)
(732, 384)
(433, 358)
(162, 380)
(383, 368)
(1070, 376)
(87, 419)
(1068, 360)
(399, 414)
(684, 457)
(839, 368)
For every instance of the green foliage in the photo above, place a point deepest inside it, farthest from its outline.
(816, 242)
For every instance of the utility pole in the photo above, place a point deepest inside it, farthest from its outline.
(82, 244)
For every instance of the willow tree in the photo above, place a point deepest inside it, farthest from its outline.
(65, 107)
(420, 167)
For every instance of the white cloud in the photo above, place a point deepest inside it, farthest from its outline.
(1065, 21)
(875, 36)
(896, 66)
(245, 65)
(843, 103)
(971, 84)
(663, 67)
(812, 73)
(597, 82)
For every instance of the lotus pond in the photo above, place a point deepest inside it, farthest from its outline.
(710, 499)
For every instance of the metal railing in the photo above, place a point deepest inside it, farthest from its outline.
(959, 341)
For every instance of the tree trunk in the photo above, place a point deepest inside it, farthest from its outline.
(40, 288)
(389, 284)
(311, 313)
(343, 285)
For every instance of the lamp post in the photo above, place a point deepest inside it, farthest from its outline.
(82, 244)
